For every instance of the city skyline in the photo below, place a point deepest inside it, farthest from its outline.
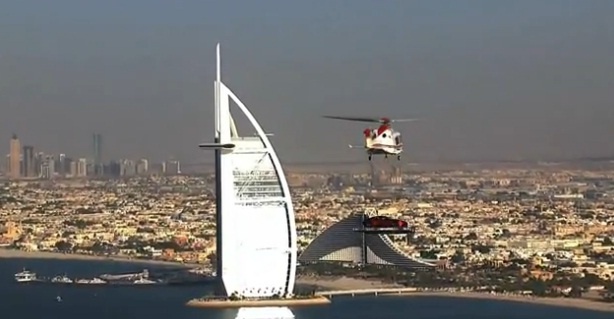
(207, 161)
(25, 163)
(91, 155)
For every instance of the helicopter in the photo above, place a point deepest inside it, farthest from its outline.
(383, 140)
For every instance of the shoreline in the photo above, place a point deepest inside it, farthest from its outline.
(6, 253)
(324, 284)
(577, 303)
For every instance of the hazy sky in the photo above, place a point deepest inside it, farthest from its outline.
(492, 79)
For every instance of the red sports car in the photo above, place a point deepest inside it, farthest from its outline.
(384, 222)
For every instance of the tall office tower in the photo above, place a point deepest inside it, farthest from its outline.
(60, 165)
(38, 164)
(45, 171)
(113, 169)
(156, 168)
(51, 165)
(172, 168)
(82, 167)
(97, 144)
(142, 167)
(47, 167)
(127, 168)
(67, 165)
(72, 169)
(28, 162)
(396, 178)
(178, 167)
(89, 171)
(15, 162)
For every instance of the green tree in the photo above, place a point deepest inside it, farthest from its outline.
(538, 287)
(576, 292)
(458, 258)
(63, 246)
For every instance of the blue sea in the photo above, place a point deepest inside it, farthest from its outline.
(39, 301)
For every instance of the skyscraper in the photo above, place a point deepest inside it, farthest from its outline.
(97, 144)
(15, 158)
(60, 165)
(82, 167)
(142, 166)
(48, 167)
(38, 163)
(172, 168)
(28, 162)
(72, 169)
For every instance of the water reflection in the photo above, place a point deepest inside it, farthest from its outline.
(265, 313)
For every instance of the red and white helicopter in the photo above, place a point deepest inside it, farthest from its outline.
(379, 141)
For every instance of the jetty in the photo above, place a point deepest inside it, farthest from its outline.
(371, 291)
(281, 302)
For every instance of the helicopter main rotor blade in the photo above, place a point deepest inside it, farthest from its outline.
(404, 120)
(355, 119)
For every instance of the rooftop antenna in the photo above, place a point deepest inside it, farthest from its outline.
(218, 63)
(218, 79)
(218, 120)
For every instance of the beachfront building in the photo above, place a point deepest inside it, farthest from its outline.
(342, 243)
(256, 233)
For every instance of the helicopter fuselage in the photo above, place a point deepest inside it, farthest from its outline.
(383, 141)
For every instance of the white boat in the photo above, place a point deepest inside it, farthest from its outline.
(143, 281)
(95, 281)
(25, 276)
(61, 280)
(199, 271)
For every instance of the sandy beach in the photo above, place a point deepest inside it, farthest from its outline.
(346, 283)
(12, 253)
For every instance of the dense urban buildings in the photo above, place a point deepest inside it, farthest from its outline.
(25, 163)
(500, 224)
(559, 216)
